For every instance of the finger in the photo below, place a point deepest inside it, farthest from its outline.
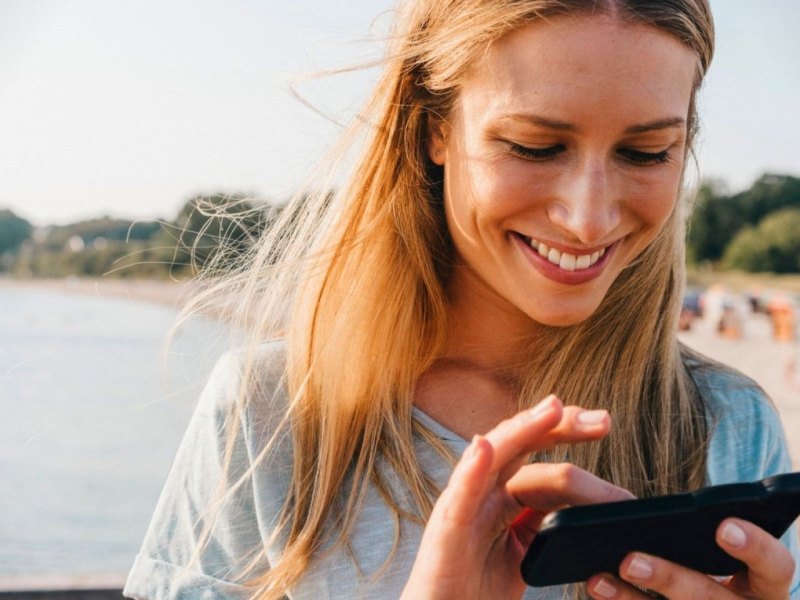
(578, 425)
(548, 486)
(670, 579)
(468, 486)
(542, 427)
(541, 488)
(607, 587)
(449, 532)
(525, 526)
(770, 566)
(519, 435)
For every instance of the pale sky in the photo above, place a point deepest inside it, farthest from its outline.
(129, 108)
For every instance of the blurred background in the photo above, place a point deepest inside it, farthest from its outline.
(120, 122)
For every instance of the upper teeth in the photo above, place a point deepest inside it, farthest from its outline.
(568, 262)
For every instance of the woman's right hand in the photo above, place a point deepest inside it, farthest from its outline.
(488, 514)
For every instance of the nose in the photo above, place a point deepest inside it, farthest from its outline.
(586, 206)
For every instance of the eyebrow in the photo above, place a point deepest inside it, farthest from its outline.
(540, 121)
(557, 125)
(657, 124)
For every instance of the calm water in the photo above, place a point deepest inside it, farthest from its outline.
(90, 419)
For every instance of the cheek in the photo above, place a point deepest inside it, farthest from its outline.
(471, 196)
(494, 190)
(654, 202)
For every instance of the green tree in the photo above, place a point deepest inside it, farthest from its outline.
(13, 231)
(209, 231)
(213, 230)
(768, 194)
(119, 230)
(774, 245)
(717, 216)
(712, 223)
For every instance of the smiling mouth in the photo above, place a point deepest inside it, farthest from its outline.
(564, 260)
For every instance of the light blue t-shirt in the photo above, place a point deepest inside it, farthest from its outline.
(747, 444)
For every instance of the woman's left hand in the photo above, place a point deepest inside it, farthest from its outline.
(768, 575)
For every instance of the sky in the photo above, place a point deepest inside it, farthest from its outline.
(129, 108)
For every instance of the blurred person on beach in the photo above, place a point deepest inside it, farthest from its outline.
(782, 316)
(477, 328)
(730, 325)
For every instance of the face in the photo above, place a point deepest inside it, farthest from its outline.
(563, 158)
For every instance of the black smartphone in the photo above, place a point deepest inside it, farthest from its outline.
(575, 543)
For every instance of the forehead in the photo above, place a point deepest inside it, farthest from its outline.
(582, 65)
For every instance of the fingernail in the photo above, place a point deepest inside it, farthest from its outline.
(734, 535)
(604, 589)
(639, 568)
(541, 409)
(591, 417)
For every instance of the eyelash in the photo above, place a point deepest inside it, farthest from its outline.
(537, 154)
(635, 157)
(644, 158)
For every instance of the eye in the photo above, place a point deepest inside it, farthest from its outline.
(638, 157)
(537, 154)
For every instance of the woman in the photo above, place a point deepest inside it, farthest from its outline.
(511, 230)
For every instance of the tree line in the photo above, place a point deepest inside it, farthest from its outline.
(214, 227)
(756, 230)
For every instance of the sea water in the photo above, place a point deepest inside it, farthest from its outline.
(91, 415)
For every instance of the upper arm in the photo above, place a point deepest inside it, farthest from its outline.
(198, 542)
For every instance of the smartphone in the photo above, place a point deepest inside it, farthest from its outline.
(575, 543)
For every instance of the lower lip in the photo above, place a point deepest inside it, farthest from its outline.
(556, 273)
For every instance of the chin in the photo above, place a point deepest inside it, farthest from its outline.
(565, 321)
(563, 316)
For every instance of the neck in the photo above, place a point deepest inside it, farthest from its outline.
(475, 383)
(486, 331)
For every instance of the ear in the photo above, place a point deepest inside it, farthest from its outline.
(437, 150)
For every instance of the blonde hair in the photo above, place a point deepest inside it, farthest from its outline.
(355, 282)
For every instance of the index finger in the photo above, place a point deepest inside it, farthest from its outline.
(542, 427)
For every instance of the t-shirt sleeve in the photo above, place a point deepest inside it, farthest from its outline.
(747, 443)
(164, 568)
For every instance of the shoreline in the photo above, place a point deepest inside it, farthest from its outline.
(165, 292)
